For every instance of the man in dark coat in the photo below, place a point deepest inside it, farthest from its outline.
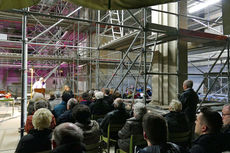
(67, 138)
(107, 98)
(99, 107)
(208, 126)
(189, 100)
(117, 116)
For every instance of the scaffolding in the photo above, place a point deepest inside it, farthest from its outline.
(86, 40)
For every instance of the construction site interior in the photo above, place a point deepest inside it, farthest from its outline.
(154, 48)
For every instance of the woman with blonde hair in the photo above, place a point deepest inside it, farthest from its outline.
(38, 139)
(178, 123)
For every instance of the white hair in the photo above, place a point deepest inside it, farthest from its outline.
(72, 102)
(175, 106)
(37, 96)
(99, 95)
(118, 103)
(42, 119)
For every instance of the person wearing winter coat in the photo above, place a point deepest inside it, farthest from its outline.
(133, 126)
(81, 115)
(39, 138)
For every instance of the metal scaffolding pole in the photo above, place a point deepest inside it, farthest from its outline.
(152, 56)
(132, 75)
(90, 62)
(127, 72)
(136, 19)
(78, 32)
(228, 70)
(122, 70)
(211, 68)
(98, 52)
(48, 29)
(74, 43)
(178, 74)
(24, 74)
(137, 79)
(121, 62)
(73, 89)
(70, 18)
(144, 51)
(226, 62)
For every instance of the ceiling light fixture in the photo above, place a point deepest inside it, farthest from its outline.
(202, 5)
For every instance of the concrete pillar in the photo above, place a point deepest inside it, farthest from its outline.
(165, 87)
(182, 47)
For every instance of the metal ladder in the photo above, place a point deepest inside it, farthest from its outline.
(115, 19)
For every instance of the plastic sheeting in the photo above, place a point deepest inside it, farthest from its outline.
(17, 4)
(118, 4)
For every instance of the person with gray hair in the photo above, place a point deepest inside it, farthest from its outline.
(67, 115)
(42, 103)
(37, 96)
(99, 95)
(117, 116)
(99, 107)
(189, 100)
(133, 126)
(39, 138)
(178, 124)
(67, 138)
(55, 101)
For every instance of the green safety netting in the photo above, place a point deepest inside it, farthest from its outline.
(17, 4)
(118, 4)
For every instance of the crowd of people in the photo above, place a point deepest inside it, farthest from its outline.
(67, 124)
